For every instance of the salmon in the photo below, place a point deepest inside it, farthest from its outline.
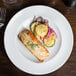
(33, 45)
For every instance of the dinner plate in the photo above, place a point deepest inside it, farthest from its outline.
(20, 55)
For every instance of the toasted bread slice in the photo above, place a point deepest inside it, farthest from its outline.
(34, 46)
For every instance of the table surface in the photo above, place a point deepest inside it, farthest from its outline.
(69, 68)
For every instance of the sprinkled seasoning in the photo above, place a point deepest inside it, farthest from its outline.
(32, 45)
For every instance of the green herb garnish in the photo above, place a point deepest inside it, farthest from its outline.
(32, 45)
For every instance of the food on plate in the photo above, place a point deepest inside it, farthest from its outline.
(50, 39)
(40, 20)
(39, 27)
(33, 26)
(43, 32)
(34, 46)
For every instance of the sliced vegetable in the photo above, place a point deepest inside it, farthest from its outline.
(49, 41)
(33, 26)
(50, 32)
(39, 19)
(41, 30)
(50, 44)
(45, 21)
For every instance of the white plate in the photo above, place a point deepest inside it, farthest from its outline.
(18, 53)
